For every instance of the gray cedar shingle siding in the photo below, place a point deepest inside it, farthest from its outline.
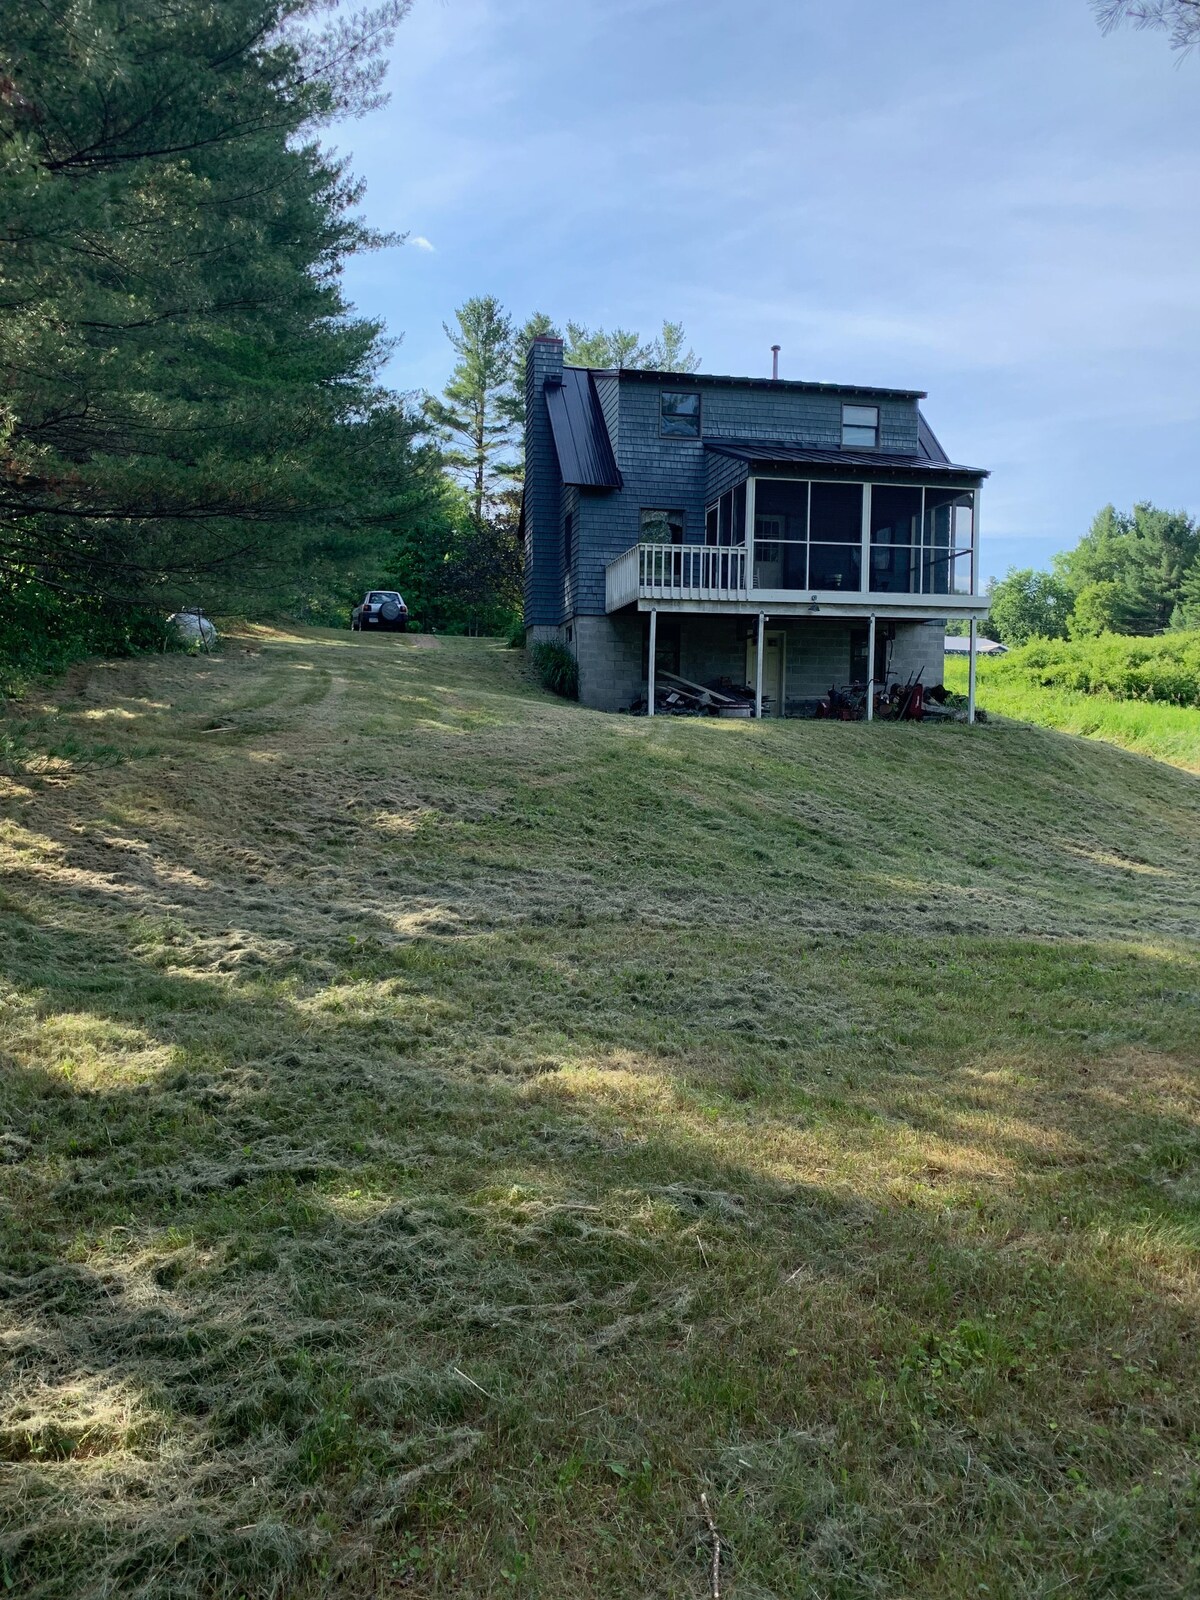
(670, 473)
(720, 473)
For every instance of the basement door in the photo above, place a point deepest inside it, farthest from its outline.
(774, 667)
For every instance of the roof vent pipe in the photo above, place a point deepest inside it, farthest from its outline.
(774, 361)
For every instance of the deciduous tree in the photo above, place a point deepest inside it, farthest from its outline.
(1026, 604)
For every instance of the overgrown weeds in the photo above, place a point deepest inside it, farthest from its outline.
(44, 631)
(1151, 726)
(1163, 670)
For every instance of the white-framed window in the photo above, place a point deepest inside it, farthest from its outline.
(679, 415)
(860, 427)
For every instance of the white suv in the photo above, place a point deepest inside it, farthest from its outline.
(382, 608)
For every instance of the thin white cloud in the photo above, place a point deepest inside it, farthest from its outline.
(420, 242)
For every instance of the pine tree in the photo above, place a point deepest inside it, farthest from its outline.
(474, 414)
(1179, 19)
(667, 352)
(1141, 560)
(188, 397)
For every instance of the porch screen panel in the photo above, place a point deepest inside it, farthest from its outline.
(895, 539)
(780, 534)
(835, 536)
(739, 514)
(948, 536)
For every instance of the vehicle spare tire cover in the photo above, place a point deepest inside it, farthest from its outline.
(389, 611)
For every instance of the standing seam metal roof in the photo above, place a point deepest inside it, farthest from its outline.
(769, 453)
(692, 380)
(581, 442)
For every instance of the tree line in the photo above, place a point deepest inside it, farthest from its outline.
(461, 567)
(191, 409)
(1132, 573)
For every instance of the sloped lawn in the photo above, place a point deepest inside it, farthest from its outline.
(447, 1130)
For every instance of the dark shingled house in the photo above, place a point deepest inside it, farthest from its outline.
(775, 533)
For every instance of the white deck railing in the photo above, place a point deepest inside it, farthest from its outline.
(677, 572)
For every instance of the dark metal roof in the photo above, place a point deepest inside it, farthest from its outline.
(927, 440)
(693, 380)
(768, 453)
(581, 442)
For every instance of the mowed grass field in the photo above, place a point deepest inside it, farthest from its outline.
(446, 1131)
(1151, 728)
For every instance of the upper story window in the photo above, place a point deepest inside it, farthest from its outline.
(679, 415)
(860, 427)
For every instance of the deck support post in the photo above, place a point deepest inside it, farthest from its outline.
(971, 673)
(758, 666)
(653, 653)
(871, 668)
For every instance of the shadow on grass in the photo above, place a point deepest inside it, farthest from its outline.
(320, 1275)
(352, 1254)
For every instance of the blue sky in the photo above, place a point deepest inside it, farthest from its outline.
(993, 203)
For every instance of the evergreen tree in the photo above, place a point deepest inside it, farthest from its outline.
(188, 397)
(474, 416)
(667, 352)
(1180, 19)
(1187, 611)
(538, 326)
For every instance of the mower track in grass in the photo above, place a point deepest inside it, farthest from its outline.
(446, 1130)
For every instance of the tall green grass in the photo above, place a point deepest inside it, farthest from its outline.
(1041, 684)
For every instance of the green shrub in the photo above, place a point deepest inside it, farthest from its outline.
(557, 669)
(1165, 669)
(516, 634)
(44, 631)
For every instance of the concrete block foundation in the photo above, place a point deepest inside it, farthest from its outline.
(613, 652)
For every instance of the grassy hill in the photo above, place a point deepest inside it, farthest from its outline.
(447, 1130)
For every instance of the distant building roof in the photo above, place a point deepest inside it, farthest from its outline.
(771, 453)
(581, 442)
(960, 646)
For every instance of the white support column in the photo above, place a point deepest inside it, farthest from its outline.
(971, 674)
(653, 652)
(758, 665)
(871, 669)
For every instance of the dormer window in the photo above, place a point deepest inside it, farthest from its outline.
(860, 427)
(679, 415)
